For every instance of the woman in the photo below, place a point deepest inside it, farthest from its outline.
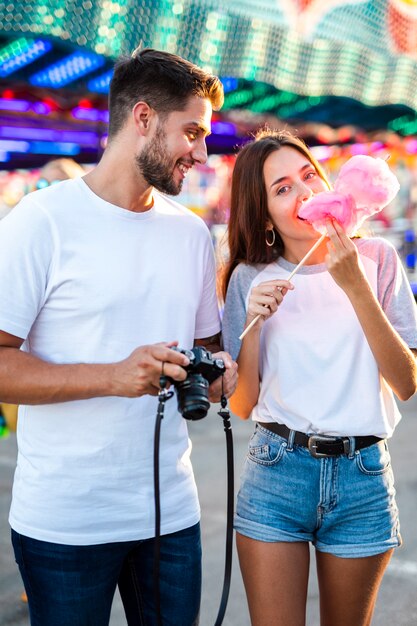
(317, 374)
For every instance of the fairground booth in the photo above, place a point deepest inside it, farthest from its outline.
(343, 75)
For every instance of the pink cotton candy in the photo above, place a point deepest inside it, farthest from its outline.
(369, 180)
(329, 204)
(365, 185)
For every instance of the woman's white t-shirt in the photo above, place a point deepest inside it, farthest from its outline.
(317, 371)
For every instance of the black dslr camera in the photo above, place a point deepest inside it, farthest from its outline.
(192, 393)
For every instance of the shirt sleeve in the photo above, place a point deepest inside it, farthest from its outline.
(395, 294)
(26, 249)
(234, 315)
(208, 317)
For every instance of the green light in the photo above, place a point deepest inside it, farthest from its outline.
(406, 125)
(213, 40)
(237, 98)
(255, 49)
(14, 49)
(167, 26)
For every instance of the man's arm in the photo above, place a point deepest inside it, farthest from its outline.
(213, 343)
(228, 385)
(26, 379)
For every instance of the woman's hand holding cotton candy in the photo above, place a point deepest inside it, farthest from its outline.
(266, 297)
(343, 261)
(365, 185)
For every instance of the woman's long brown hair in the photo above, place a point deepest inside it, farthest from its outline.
(249, 204)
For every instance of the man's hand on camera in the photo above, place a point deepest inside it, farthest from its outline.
(139, 374)
(229, 378)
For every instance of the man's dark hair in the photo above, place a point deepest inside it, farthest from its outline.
(164, 81)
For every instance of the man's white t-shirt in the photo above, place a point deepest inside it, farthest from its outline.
(84, 281)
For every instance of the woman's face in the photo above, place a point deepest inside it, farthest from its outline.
(290, 179)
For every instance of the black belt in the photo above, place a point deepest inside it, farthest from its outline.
(321, 445)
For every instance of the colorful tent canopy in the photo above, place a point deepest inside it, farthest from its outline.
(331, 68)
(358, 49)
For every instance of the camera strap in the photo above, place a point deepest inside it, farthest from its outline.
(224, 413)
(163, 395)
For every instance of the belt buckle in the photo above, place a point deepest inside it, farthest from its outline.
(315, 440)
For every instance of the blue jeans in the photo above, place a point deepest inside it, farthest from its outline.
(75, 585)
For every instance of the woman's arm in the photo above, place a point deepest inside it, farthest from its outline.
(396, 361)
(247, 390)
(264, 301)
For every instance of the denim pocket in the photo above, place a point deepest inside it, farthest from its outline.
(375, 460)
(266, 450)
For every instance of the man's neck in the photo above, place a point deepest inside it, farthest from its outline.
(120, 183)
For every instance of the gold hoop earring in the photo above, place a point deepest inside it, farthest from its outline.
(270, 243)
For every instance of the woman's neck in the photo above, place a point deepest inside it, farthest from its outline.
(295, 251)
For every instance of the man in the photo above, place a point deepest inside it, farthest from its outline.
(51, 173)
(107, 277)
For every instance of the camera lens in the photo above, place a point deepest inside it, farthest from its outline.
(192, 395)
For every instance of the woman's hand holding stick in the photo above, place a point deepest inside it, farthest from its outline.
(295, 270)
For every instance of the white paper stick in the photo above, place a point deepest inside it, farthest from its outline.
(295, 270)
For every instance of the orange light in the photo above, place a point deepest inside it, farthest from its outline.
(325, 135)
(344, 134)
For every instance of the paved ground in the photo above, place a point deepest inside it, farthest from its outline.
(397, 603)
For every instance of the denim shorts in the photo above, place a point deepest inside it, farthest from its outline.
(345, 505)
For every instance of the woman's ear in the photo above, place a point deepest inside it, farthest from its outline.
(143, 115)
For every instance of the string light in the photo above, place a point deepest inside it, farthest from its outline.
(67, 70)
(20, 53)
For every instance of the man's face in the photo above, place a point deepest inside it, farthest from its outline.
(177, 143)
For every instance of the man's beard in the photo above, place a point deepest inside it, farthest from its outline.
(156, 166)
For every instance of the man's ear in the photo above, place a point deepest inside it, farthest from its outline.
(143, 116)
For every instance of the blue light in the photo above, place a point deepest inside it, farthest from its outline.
(101, 84)
(14, 146)
(67, 70)
(410, 260)
(223, 128)
(229, 83)
(42, 184)
(41, 108)
(38, 147)
(54, 147)
(81, 137)
(91, 115)
(34, 50)
(21, 106)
